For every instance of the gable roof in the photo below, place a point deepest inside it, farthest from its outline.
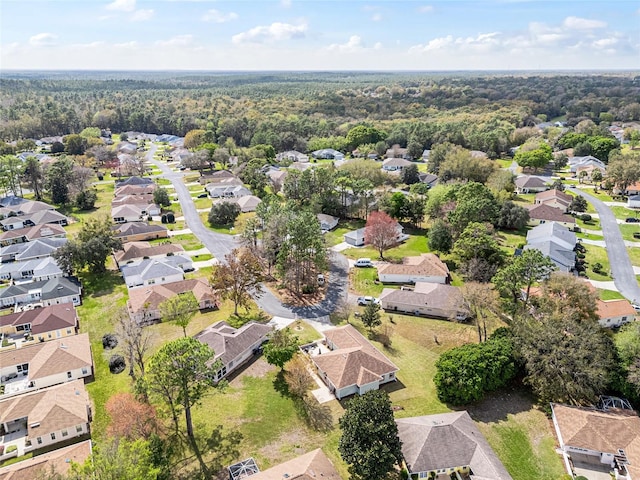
(50, 289)
(50, 409)
(435, 295)
(59, 460)
(529, 181)
(557, 253)
(134, 250)
(428, 264)
(549, 231)
(615, 308)
(554, 194)
(248, 201)
(136, 228)
(145, 189)
(152, 296)
(38, 248)
(47, 216)
(40, 267)
(354, 361)
(446, 440)
(310, 466)
(46, 319)
(396, 162)
(142, 199)
(228, 342)
(155, 267)
(542, 211)
(600, 431)
(134, 181)
(31, 233)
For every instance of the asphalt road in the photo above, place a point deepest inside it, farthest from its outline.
(220, 245)
(621, 268)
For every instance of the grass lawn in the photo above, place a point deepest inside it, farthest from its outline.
(512, 239)
(525, 198)
(202, 203)
(593, 224)
(188, 241)
(163, 181)
(624, 212)
(202, 258)
(336, 236)
(610, 295)
(234, 229)
(415, 245)
(504, 162)
(628, 229)
(597, 255)
(634, 255)
(363, 281)
(589, 236)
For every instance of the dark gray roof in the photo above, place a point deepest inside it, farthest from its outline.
(136, 228)
(54, 288)
(228, 342)
(134, 181)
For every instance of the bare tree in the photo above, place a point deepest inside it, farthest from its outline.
(238, 277)
(381, 232)
(482, 301)
(135, 340)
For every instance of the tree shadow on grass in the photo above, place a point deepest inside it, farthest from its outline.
(280, 384)
(317, 416)
(497, 406)
(99, 284)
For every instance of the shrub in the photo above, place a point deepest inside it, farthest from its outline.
(171, 218)
(597, 267)
(149, 218)
(163, 219)
(224, 213)
(585, 217)
(109, 341)
(117, 364)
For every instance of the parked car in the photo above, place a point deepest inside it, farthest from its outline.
(632, 220)
(367, 300)
(10, 376)
(320, 279)
(636, 234)
(364, 262)
(203, 195)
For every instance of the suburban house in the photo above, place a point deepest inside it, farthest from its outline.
(133, 212)
(30, 220)
(614, 313)
(352, 365)
(32, 233)
(312, 465)
(136, 190)
(563, 258)
(47, 416)
(277, 176)
(233, 346)
(395, 164)
(39, 248)
(554, 232)
(146, 199)
(55, 321)
(139, 231)
(127, 148)
(577, 162)
(542, 213)
(428, 299)
(396, 151)
(292, 156)
(428, 179)
(135, 251)
(46, 364)
(530, 184)
(586, 171)
(214, 177)
(327, 222)
(144, 303)
(356, 237)
(301, 167)
(222, 181)
(16, 206)
(42, 293)
(31, 270)
(633, 201)
(328, 154)
(59, 461)
(424, 268)
(156, 271)
(554, 198)
(227, 191)
(135, 180)
(437, 446)
(248, 203)
(596, 442)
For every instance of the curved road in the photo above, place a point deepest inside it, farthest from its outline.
(621, 268)
(220, 245)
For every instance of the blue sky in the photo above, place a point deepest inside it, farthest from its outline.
(319, 35)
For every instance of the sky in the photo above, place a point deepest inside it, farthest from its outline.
(319, 35)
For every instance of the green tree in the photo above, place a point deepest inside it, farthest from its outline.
(596, 176)
(281, 347)
(179, 309)
(578, 204)
(74, 144)
(478, 252)
(369, 443)
(474, 203)
(223, 213)
(410, 175)
(537, 158)
(512, 216)
(86, 199)
(161, 197)
(362, 134)
(57, 180)
(238, 277)
(624, 169)
(371, 316)
(602, 146)
(439, 237)
(34, 176)
(194, 138)
(180, 374)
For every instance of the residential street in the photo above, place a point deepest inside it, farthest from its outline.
(221, 244)
(621, 268)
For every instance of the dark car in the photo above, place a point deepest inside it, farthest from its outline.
(632, 220)
(203, 195)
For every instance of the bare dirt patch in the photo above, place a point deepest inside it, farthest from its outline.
(496, 407)
(292, 299)
(257, 368)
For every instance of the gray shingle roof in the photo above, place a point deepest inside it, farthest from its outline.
(228, 342)
(51, 289)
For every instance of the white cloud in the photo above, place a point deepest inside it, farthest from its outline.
(176, 41)
(480, 43)
(216, 16)
(122, 5)
(269, 33)
(425, 9)
(43, 39)
(132, 44)
(353, 45)
(376, 17)
(141, 15)
(583, 23)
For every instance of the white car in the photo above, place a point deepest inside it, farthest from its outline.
(367, 300)
(363, 262)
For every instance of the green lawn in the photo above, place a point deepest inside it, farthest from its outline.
(634, 255)
(202, 203)
(525, 198)
(624, 212)
(504, 162)
(593, 224)
(610, 295)
(628, 229)
(234, 229)
(590, 236)
(188, 241)
(163, 181)
(336, 236)
(597, 254)
(201, 258)
(415, 245)
(363, 281)
(512, 239)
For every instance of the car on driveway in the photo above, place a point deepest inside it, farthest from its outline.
(203, 195)
(367, 300)
(632, 220)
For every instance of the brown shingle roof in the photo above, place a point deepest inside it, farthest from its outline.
(31, 233)
(615, 308)
(59, 460)
(151, 297)
(135, 250)
(554, 194)
(53, 357)
(436, 295)
(134, 190)
(601, 431)
(354, 360)
(427, 264)
(137, 228)
(310, 466)
(146, 199)
(45, 319)
(549, 214)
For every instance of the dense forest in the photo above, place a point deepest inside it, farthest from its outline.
(289, 111)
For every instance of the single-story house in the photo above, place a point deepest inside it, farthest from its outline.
(50, 230)
(356, 237)
(576, 162)
(587, 171)
(12, 201)
(133, 212)
(135, 251)
(292, 156)
(396, 151)
(352, 365)
(553, 231)
(213, 177)
(423, 268)
(530, 184)
(135, 180)
(554, 198)
(300, 166)
(55, 321)
(45, 364)
(327, 222)
(33, 270)
(395, 164)
(59, 461)
(142, 199)
(20, 206)
(39, 248)
(312, 465)
(277, 176)
(633, 201)
(46, 216)
(429, 179)
(146, 189)
(328, 154)
(227, 191)
(156, 271)
(248, 203)
(542, 213)
(222, 180)
(428, 299)
(633, 189)
(139, 231)
(437, 446)
(56, 291)
(593, 440)
(144, 303)
(614, 313)
(48, 416)
(564, 259)
(233, 346)
(127, 148)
